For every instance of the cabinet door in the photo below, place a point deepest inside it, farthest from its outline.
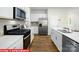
(53, 36)
(59, 40)
(36, 30)
(6, 12)
(17, 45)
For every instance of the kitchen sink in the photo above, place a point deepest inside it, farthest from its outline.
(64, 31)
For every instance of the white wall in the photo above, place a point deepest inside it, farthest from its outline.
(9, 23)
(27, 20)
(74, 15)
(27, 9)
(54, 14)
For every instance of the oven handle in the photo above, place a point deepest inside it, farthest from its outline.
(26, 36)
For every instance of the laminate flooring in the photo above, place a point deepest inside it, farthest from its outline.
(43, 43)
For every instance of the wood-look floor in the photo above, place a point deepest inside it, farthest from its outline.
(42, 44)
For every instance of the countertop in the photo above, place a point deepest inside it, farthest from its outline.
(73, 35)
(7, 40)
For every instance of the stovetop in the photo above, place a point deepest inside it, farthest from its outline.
(24, 32)
(18, 32)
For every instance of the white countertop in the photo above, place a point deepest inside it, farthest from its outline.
(7, 40)
(73, 35)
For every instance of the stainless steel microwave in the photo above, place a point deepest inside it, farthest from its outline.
(19, 13)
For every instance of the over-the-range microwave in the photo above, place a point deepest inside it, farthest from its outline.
(19, 13)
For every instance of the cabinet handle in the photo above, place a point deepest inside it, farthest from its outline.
(56, 38)
(26, 36)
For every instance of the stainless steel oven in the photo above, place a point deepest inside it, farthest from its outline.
(26, 42)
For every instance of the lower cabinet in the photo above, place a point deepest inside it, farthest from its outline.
(69, 45)
(57, 39)
(34, 29)
(17, 45)
(21, 43)
(64, 43)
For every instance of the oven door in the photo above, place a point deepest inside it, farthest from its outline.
(26, 42)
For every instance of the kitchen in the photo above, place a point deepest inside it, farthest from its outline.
(13, 34)
(59, 25)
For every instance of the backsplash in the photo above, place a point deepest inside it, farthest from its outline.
(10, 24)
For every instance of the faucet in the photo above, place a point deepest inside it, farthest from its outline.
(67, 29)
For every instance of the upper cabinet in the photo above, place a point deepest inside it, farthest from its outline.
(6, 12)
(38, 13)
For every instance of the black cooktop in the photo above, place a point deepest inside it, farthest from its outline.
(18, 32)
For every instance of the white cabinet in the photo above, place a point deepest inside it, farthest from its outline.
(17, 45)
(6, 12)
(57, 39)
(34, 17)
(35, 29)
(11, 42)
